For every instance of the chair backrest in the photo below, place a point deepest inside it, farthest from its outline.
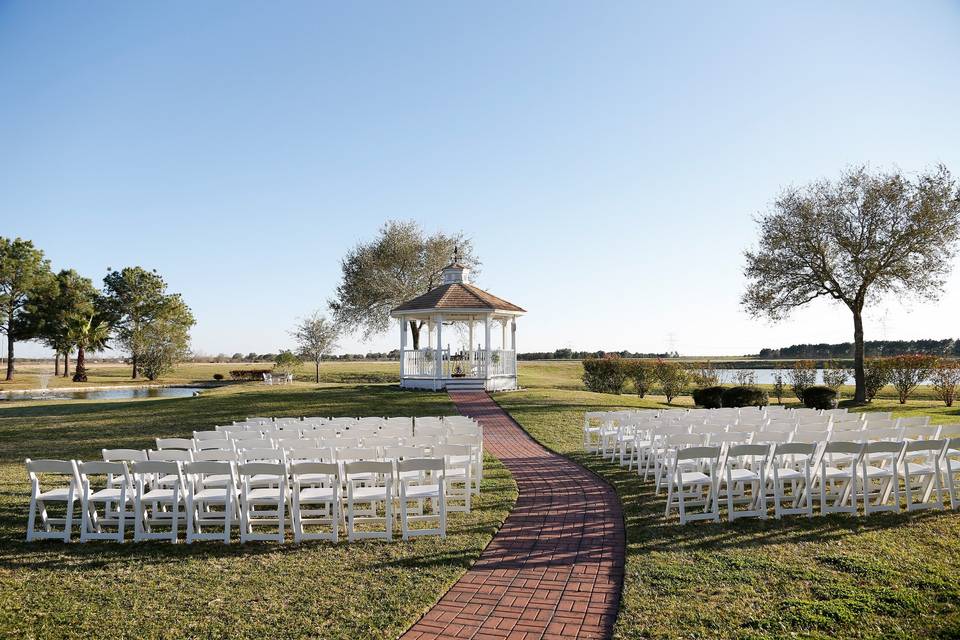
(883, 434)
(917, 446)
(949, 431)
(249, 469)
(262, 455)
(183, 444)
(922, 432)
(747, 451)
(53, 467)
(200, 471)
(811, 436)
(401, 453)
(421, 464)
(673, 429)
(171, 455)
(380, 441)
(212, 435)
(123, 455)
(731, 437)
(892, 447)
(795, 449)
(216, 455)
(158, 467)
(843, 446)
(848, 426)
(308, 453)
(380, 469)
(696, 453)
(211, 445)
(772, 437)
(331, 469)
(778, 427)
(357, 453)
(245, 436)
(913, 421)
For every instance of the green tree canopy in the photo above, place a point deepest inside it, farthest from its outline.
(853, 241)
(402, 262)
(316, 337)
(25, 280)
(73, 297)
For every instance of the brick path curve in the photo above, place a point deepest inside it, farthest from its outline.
(555, 568)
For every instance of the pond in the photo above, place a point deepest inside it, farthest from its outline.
(105, 394)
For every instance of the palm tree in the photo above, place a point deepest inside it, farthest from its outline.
(87, 333)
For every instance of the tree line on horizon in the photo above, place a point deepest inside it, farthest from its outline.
(946, 347)
(132, 311)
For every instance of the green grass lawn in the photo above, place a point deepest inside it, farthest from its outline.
(883, 576)
(257, 590)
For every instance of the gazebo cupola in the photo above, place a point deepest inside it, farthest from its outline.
(448, 316)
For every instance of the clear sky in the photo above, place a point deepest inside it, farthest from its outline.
(607, 158)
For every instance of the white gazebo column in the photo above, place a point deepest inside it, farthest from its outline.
(470, 345)
(438, 373)
(403, 344)
(513, 346)
(486, 352)
(503, 334)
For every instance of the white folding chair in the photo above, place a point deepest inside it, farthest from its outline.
(263, 493)
(369, 483)
(696, 487)
(792, 467)
(922, 472)
(457, 475)
(315, 500)
(743, 480)
(211, 500)
(880, 477)
(39, 498)
(427, 484)
(838, 477)
(116, 496)
(951, 467)
(158, 506)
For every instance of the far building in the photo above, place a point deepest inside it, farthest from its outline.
(451, 313)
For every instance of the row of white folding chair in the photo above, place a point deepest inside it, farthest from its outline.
(703, 476)
(211, 492)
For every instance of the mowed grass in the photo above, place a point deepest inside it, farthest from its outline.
(883, 576)
(369, 589)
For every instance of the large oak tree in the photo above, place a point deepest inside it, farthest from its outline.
(402, 262)
(854, 240)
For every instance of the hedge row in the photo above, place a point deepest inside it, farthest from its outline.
(248, 374)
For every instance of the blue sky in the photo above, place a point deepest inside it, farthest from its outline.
(607, 158)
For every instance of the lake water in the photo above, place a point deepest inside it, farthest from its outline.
(105, 394)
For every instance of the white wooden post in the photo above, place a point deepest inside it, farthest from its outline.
(513, 345)
(403, 345)
(439, 370)
(470, 345)
(503, 334)
(486, 355)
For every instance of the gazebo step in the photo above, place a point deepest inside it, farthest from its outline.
(466, 384)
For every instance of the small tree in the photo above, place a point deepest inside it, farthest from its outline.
(876, 375)
(642, 373)
(287, 362)
(853, 241)
(945, 379)
(803, 375)
(909, 371)
(88, 334)
(673, 378)
(778, 386)
(744, 378)
(834, 376)
(316, 337)
(704, 374)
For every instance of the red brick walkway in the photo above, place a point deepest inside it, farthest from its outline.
(555, 567)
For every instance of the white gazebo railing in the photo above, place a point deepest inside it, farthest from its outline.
(422, 363)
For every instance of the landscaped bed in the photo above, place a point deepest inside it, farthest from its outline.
(104, 590)
(882, 576)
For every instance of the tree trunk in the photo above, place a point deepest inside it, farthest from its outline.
(415, 334)
(80, 371)
(56, 363)
(318, 371)
(9, 355)
(133, 358)
(860, 395)
(66, 364)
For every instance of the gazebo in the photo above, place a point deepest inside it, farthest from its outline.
(457, 303)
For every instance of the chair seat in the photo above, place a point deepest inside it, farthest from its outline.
(917, 469)
(423, 491)
(262, 495)
(833, 472)
(739, 475)
(59, 493)
(694, 477)
(370, 493)
(109, 495)
(318, 494)
(788, 473)
(157, 495)
(877, 472)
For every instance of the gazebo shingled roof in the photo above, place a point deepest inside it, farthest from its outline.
(458, 295)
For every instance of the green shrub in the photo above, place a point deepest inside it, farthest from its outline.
(819, 397)
(876, 375)
(218, 376)
(708, 397)
(642, 373)
(605, 375)
(909, 371)
(673, 378)
(744, 397)
(248, 374)
(803, 375)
